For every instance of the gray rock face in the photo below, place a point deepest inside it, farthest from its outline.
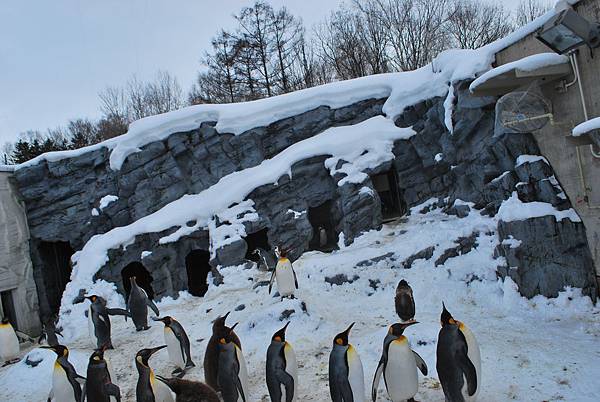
(476, 167)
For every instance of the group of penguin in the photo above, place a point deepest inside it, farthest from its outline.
(458, 357)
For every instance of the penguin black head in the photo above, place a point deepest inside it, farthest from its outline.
(282, 253)
(398, 328)
(342, 338)
(219, 322)
(403, 284)
(446, 317)
(143, 355)
(92, 298)
(97, 356)
(60, 350)
(279, 336)
(228, 336)
(167, 320)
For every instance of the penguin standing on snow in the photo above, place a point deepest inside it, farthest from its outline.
(404, 301)
(267, 259)
(178, 345)
(99, 321)
(285, 275)
(66, 385)
(9, 343)
(398, 364)
(149, 388)
(49, 332)
(458, 360)
(99, 386)
(346, 376)
(282, 369)
(233, 375)
(137, 306)
(211, 356)
(190, 391)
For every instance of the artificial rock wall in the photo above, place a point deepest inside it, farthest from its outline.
(61, 195)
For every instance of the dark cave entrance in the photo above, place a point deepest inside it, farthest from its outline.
(142, 278)
(8, 307)
(392, 204)
(255, 241)
(197, 267)
(321, 219)
(56, 271)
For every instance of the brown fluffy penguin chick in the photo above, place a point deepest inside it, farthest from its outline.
(211, 357)
(190, 391)
(405, 303)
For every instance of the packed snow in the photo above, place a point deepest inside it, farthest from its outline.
(586, 127)
(521, 159)
(529, 63)
(107, 200)
(449, 109)
(514, 209)
(532, 350)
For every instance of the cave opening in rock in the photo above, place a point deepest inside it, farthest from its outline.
(142, 278)
(321, 219)
(255, 241)
(56, 270)
(197, 267)
(7, 307)
(392, 204)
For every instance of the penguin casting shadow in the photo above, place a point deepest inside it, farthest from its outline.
(178, 345)
(137, 306)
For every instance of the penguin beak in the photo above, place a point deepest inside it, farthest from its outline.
(408, 324)
(347, 331)
(154, 350)
(226, 315)
(285, 326)
(234, 325)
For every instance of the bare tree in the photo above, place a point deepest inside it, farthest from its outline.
(81, 132)
(529, 10)
(473, 24)
(288, 34)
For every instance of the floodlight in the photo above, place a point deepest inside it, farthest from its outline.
(567, 31)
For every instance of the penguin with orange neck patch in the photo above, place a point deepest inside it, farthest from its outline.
(346, 375)
(233, 374)
(282, 369)
(150, 388)
(458, 360)
(284, 274)
(66, 383)
(398, 365)
(9, 343)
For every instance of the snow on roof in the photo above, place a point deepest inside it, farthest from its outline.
(529, 63)
(402, 89)
(586, 127)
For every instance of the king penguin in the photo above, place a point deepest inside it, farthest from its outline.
(49, 332)
(458, 360)
(137, 306)
(233, 375)
(190, 391)
(99, 321)
(66, 383)
(285, 275)
(99, 386)
(211, 357)
(9, 343)
(149, 388)
(178, 345)
(398, 364)
(346, 376)
(282, 369)
(404, 301)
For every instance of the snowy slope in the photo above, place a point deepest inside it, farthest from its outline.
(532, 350)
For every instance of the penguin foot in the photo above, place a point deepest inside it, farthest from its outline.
(146, 328)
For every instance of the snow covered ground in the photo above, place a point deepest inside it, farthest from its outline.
(532, 350)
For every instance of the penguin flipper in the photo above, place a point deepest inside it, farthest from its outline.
(469, 371)
(420, 363)
(346, 390)
(118, 311)
(376, 379)
(238, 385)
(271, 280)
(83, 392)
(288, 382)
(112, 390)
(295, 278)
(151, 304)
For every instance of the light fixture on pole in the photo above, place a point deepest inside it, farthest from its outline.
(567, 31)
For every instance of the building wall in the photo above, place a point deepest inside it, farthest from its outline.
(16, 269)
(581, 181)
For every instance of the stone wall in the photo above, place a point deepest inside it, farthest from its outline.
(471, 165)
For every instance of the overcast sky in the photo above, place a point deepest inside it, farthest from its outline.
(55, 56)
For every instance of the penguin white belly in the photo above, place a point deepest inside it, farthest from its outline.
(111, 373)
(285, 279)
(243, 374)
(61, 387)
(474, 355)
(162, 393)
(356, 376)
(174, 348)
(291, 367)
(92, 329)
(401, 372)
(9, 343)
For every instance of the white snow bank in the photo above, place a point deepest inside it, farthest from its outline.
(528, 63)
(449, 109)
(106, 200)
(512, 242)
(7, 168)
(514, 209)
(530, 159)
(377, 133)
(586, 127)
(402, 89)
